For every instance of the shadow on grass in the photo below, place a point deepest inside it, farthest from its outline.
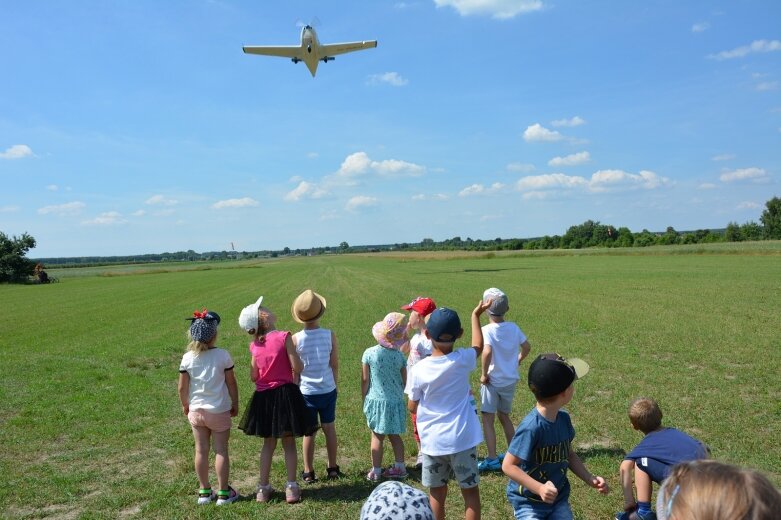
(600, 451)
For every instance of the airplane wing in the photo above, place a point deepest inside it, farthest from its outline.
(332, 49)
(284, 51)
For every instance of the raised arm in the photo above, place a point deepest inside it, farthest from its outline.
(477, 332)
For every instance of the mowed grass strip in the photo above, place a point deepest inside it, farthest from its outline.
(91, 426)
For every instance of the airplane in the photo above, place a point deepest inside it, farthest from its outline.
(311, 51)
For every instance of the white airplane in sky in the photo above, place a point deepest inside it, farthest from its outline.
(311, 51)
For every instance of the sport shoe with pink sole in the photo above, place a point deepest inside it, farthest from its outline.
(292, 493)
(264, 493)
(395, 472)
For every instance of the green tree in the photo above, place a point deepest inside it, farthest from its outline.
(771, 218)
(344, 246)
(14, 266)
(733, 233)
(751, 231)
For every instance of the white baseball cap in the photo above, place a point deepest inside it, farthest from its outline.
(248, 319)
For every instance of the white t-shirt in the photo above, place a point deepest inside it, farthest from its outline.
(314, 349)
(207, 379)
(505, 339)
(419, 348)
(447, 420)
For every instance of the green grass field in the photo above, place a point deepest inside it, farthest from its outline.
(91, 427)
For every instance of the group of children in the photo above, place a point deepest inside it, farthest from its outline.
(296, 375)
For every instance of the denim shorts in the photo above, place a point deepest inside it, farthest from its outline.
(559, 511)
(323, 405)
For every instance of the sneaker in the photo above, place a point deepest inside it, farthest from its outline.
(292, 493)
(264, 493)
(226, 496)
(371, 476)
(205, 496)
(489, 465)
(395, 472)
(634, 515)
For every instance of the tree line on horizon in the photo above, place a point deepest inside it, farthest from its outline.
(16, 267)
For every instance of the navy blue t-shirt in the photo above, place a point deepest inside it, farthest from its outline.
(668, 446)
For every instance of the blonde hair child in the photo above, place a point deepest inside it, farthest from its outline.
(209, 396)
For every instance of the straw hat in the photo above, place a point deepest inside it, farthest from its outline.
(308, 306)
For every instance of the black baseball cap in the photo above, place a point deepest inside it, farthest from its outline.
(550, 374)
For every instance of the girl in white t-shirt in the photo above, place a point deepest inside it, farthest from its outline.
(209, 397)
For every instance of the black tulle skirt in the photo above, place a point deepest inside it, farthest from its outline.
(277, 412)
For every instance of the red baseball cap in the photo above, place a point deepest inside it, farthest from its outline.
(423, 306)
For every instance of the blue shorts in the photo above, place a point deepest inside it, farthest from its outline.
(323, 405)
(658, 471)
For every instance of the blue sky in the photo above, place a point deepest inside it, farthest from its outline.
(132, 127)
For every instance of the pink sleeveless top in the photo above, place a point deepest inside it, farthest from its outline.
(272, 361)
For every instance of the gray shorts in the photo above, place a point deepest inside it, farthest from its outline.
(497, 398)
(437, 469)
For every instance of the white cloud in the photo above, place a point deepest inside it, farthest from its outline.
(353, 165)
(163, 213)
(360, 201)
(17, 151)
(570, 160)
(110, 218)
(500, 9)
(389, 78)
(433, 196)
(63, 210)
(245, 202)
(52, 187)
(537, 132)
(723, 157)
(139, 213)
(706, 186)
(488, 218)
(605, 179)
(161, 200)
(764, 86)
(742, 174)
(550, 181)
(359, 163)
(9, 209)
(305, 190)
(520, 167)
(600, 181)
(479, 189)
(700, 27)
(575, 121)
(748, 205)
(755, 47)
(312, 155)
(394, 167)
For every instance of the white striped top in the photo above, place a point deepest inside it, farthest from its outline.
(314, 348)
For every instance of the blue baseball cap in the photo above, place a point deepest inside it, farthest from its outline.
(444, 325)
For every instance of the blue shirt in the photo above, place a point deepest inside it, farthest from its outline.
(669, 446)
(543, 447)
